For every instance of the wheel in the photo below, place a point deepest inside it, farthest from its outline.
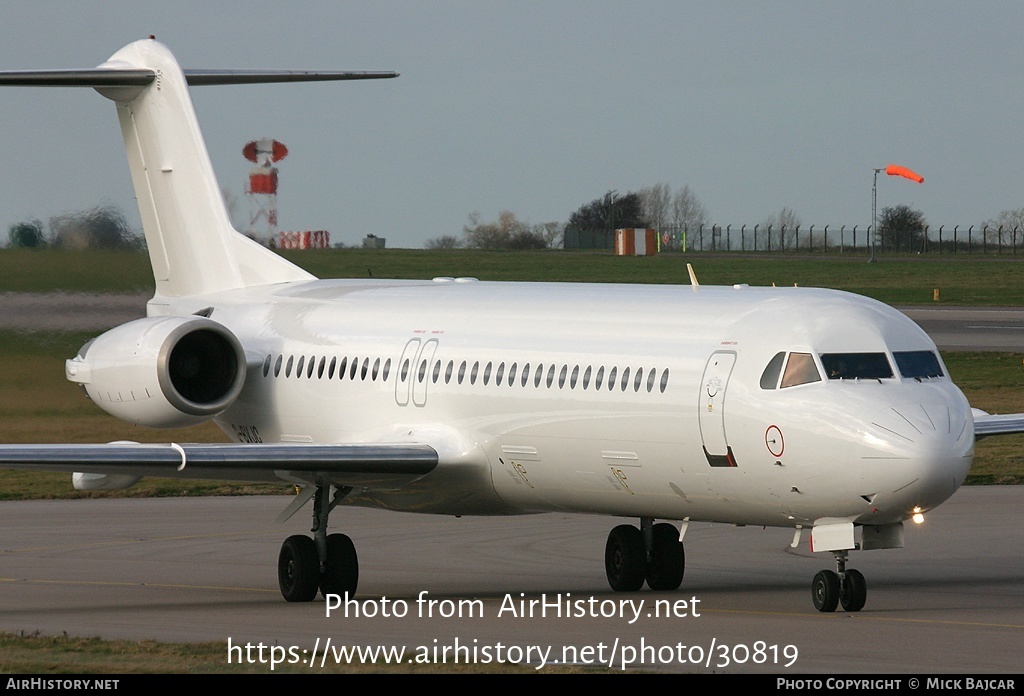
(825, 591)
(341, 572)
(665, 569)
(625, 558)
(854, 591)
(298, 569)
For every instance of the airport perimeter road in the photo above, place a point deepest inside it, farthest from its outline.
(204, 569)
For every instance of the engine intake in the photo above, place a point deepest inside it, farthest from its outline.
(163, 372)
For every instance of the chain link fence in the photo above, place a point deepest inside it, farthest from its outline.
(833, 239)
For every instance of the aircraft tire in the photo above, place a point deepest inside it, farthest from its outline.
(854, 591)
(341, 571)
(625, 558)
(298, 569)
(668, 561)
(825, 591)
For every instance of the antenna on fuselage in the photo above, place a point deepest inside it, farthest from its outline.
(693, 277)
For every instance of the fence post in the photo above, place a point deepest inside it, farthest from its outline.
(755, 235)
(769, 237)
(728, 237)
(743, 238)
(956, 237)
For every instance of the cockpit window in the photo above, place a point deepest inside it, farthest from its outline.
(770, 376)
(800, 369)
(856, 365)
(918, 364)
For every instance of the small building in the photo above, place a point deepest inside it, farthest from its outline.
(372, 241)
(636, 242)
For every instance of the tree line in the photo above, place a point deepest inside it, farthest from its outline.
(673, 214)
(102, 227)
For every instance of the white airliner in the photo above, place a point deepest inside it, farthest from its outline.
(787, 407)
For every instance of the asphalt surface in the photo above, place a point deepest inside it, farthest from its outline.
(204, 569)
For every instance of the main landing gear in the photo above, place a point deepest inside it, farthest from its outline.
(652, 553)
(847, 587)
(327, 563)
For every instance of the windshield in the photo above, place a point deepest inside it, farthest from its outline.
(856, 365)
(916, 364)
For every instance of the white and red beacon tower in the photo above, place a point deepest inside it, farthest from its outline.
(262, 187)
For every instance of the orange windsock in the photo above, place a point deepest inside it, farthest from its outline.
(897, 170)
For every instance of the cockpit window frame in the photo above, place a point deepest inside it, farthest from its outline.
(801, 368)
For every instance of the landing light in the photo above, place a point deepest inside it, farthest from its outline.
(918, 516)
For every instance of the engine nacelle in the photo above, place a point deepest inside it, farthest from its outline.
(163, 372)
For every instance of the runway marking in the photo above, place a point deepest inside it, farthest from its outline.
(143, 540)
(867, 617)
(157, 585)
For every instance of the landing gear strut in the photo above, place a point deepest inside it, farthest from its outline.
(847, 587)
(327, 563)
(652, 553)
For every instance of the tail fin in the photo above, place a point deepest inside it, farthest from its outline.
(192, 246)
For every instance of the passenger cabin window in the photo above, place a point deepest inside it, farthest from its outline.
(856, 365)
(800, 369)
(918, 364)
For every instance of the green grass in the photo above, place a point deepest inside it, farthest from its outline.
(962, 279)
(40, 655)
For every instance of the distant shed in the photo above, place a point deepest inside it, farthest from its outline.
(636, 242)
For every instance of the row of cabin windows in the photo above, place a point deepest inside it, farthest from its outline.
(584, 377)
(309, 367)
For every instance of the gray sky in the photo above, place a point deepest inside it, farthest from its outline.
(540, 107)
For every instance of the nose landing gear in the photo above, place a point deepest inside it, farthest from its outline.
(829, 588)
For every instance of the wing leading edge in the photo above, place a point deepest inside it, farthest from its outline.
(986, 424)
(363, 465)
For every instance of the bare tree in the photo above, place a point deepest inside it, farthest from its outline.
(508, 232)
(447, 241)
(551, 232)
(1001, 229)
(783, 227)
(102, 227)
(688, 214)
(655, 205)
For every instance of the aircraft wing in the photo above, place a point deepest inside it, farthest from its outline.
(986, 424)
(371, 465)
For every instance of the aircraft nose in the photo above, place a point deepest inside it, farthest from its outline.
(934, 446)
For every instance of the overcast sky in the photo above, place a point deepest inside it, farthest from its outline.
(540, 107)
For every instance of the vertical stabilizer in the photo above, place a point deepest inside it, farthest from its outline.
(192, 246)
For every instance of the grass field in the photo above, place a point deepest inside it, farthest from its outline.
(968, 280)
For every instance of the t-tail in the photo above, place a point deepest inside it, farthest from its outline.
(193, 247)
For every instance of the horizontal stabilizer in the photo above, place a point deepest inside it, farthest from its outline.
(250, 77)
(135, 77)
(93, 77)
